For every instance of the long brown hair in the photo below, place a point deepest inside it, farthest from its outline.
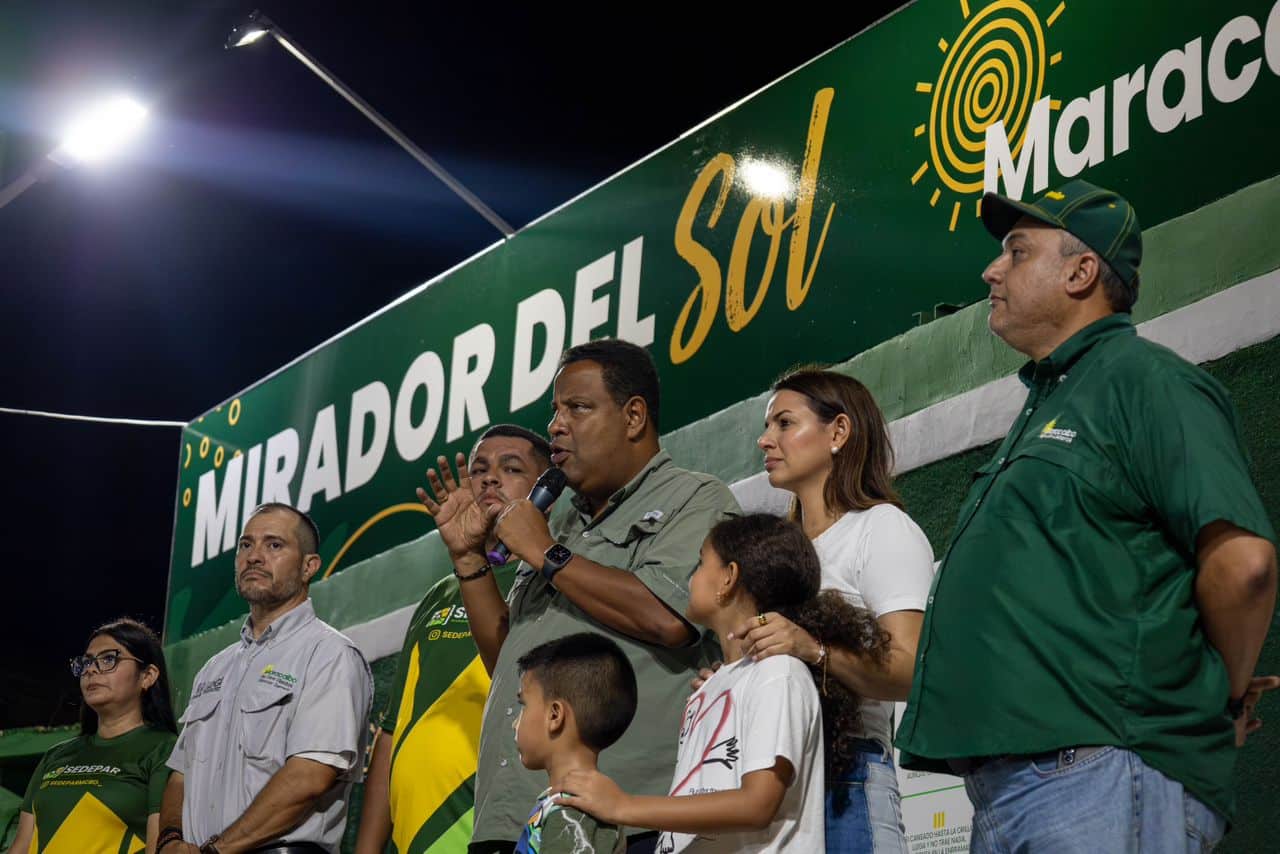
(862, 473)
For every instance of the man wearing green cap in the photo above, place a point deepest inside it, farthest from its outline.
(1086, 660)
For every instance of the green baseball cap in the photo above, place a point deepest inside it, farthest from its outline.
(1104, 221)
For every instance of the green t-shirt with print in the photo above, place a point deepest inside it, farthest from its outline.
(433, 715)
(91, 794)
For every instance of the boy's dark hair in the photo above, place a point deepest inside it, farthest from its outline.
(138, 641)
(627, 369)
(779, 569)
(541, 447)
(592, 674)
(308, 533)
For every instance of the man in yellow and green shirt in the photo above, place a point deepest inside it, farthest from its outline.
(421, 785)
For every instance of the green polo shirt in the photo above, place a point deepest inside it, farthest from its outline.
(653, 527)
(1064, 609)
(433, 715)
(95, 794)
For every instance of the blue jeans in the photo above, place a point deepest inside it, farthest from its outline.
(1108, 801)
(871, 820)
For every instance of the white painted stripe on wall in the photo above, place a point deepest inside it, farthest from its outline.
(1216, 326)
(382, 636)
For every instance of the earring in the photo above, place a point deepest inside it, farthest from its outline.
(719, 597)
(834, 449)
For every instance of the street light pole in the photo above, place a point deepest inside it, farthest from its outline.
(25, 181)
(259, 25)
(97, 134)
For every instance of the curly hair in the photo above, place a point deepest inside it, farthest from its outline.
(779, 569)
(834, 621)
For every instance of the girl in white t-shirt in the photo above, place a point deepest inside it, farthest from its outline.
(825, 440)
(750, 769)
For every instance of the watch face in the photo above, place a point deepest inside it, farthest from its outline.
(558, 555)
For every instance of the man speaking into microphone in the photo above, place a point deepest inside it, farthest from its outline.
(615, 559)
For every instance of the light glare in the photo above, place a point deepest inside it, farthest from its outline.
(250, 37)
(103, 130)
(766, 180)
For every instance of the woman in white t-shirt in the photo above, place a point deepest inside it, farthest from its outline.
(825, 440)
(750, 767)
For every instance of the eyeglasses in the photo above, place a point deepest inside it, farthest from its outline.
(104, 662)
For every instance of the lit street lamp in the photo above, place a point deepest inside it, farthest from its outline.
(95, 135)
(258, 25)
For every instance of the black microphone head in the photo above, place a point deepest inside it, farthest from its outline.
(552, 480)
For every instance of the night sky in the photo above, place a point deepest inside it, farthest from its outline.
(259, 214)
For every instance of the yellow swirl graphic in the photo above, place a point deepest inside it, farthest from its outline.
(993, 71)
(410, 507)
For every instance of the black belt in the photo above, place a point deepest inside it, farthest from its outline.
(1065, 757)
(290, 848)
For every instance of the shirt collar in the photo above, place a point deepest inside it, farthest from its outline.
(657, 461)
(282, 626)
(1057, 363)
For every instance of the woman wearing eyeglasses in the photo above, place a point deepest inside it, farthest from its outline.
(100, 791)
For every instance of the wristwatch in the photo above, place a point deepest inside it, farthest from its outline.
(1235, 707)
(554, 560)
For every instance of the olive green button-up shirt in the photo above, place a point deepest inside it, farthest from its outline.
(1064, 611)
(653, 527)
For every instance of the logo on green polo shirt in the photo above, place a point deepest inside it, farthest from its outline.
(1060, 434)
(80, 769)
(451, 614)
(278, 678)
(439, 618)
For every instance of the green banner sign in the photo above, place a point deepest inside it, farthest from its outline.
(825, 215)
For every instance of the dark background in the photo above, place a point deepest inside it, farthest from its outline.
(259, 214)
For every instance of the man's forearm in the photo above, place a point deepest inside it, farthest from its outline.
(281, 806)
(375, 814)
(1236, 595)
(487, 611)
(619, 600)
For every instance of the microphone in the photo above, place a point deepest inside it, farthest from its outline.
(544, 493)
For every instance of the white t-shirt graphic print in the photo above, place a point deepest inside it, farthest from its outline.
(741, 720)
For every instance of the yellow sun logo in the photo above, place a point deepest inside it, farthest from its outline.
(992, 71)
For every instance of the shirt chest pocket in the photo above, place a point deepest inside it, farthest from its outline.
(198, 733)
(627, 538)
(1089, 474)
(264, 723)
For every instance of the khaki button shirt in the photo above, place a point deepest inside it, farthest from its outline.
(653, 527)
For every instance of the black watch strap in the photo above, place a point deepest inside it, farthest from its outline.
(554, 560)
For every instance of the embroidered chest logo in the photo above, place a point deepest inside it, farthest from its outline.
(1058, 434)
(207, 687)
(277, 678)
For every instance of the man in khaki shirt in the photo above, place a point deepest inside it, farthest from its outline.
(615, 559)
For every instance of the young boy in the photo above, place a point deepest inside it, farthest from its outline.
(577, 697)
